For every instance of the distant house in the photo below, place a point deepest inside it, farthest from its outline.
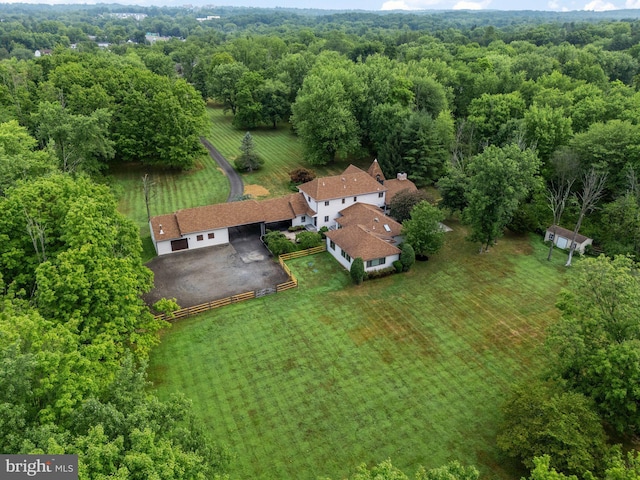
(561, 237)
(351, 205)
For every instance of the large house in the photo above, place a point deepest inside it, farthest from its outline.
(351, 205)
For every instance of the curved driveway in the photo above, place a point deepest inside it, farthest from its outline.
(235, 182)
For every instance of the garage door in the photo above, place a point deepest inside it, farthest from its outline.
(562, 242)
(182, 244)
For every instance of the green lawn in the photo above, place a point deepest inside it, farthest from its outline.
(280, 148)
(412, 367)
(203, 185)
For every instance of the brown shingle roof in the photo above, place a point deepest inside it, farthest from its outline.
(371, 217)
(357, 241)
(220, 215)
(352, 169)
(568, 234)
(300, 205)
(339, 186)
(395, 186)
(167, 224)
(375, 171)
(284, 208)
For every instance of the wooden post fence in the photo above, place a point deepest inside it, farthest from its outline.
(291, 283)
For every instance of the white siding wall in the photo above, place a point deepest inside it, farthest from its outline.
(298, 220)
(336, 206)
(337, 254)
(221, 238)
(162, 248)
(388, 263)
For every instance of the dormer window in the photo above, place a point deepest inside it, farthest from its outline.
(355, 199)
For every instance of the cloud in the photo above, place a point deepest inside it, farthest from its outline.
(408, 4)
(599, 6)
(395, 5)
(554, 5)
(632, 4)
(465, 5)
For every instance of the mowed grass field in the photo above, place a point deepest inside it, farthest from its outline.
(203, 185)
(413, 367)
(280, 149)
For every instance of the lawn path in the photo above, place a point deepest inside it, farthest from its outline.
(235, 182)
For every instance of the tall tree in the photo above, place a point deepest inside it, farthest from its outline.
(596, 344)
(423, 230)
(324, 119)
(249, 160)
(593, 184)
(82, 142)
(541, 419)
(558, 192)
(222, 84)
(19, 158)
(500, 178)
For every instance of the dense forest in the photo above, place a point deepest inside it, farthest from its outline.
(519, 119)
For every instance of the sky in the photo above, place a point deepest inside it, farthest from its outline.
(549, 5)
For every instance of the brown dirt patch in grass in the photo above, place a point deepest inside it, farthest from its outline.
(255, 191)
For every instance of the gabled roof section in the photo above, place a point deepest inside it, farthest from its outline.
(165, 227)
(350, 183)
(395, 186)
(352, 169)
(371, 218)
(375, 171)
(284, 208)
(568, 234)
(358, 241)
(300, 205)
(220, 215)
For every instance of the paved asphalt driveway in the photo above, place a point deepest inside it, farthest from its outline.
(198, 276)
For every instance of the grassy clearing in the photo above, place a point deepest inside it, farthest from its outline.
(280, 149)
(412, 367)
(203, 185)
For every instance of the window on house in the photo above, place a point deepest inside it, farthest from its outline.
(303, 218)
(332, 245)
(355, 199)
(211, 235)
(551, 235)
(326, 218)
(343, 200)
(346, 256)
(376, 262)
(200, 238)
(380, 195)
(326, 204)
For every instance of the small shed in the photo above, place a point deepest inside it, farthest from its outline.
(562, 238)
